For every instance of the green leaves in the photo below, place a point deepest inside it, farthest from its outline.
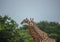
(0, 28)
(51, 28)
(9, 31)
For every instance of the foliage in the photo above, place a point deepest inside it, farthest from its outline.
(10, 32)
(24, 33)
(51, 28)
(7, 29)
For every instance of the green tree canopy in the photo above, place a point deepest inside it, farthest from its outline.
(7, 29)
(51, 28)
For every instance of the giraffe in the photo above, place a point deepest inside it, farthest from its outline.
(37, 34)
(34, 35)
(41, 33)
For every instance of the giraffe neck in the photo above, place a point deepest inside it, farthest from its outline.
(34, 34)
(39, 31)
(31, 29)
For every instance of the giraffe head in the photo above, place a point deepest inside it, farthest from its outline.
(27, 21)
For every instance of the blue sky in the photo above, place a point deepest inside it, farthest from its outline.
(47, 10)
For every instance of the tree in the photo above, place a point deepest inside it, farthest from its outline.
(8, 29)
(51, 28)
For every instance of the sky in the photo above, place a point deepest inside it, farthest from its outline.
(40, 10)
